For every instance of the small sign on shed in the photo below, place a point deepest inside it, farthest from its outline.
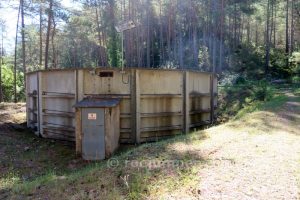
(92, 116)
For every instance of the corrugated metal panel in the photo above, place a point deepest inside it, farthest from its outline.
(93, 141)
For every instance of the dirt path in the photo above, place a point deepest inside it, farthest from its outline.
(11, 113)
(264, 154)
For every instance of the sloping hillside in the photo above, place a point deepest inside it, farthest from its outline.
(256, 156)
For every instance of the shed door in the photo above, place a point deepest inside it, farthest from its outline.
(93, 144)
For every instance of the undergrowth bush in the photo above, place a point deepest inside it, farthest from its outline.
(234, 97)
(295, 79)
(8, 84)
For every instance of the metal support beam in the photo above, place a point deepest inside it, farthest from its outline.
(135, 106)
(186, 102)
(212, 107)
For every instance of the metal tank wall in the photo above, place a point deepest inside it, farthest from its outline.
(155, 103)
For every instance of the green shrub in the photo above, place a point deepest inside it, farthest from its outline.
(295, 62)
(8, 84)
(262, 91)
(295, 79)
(234, 97)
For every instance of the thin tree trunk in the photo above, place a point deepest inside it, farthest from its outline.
(15, 61)
(48, 33)
(256, 34)
(221, 36)
(267, 39)
(41, 35)
(272, 22)
(99, 38)
(148, 33)
(235, 25)
(169, 35)
(195, 47)
(248, 31)
(241, 28)
(287, 49)
(275, 19)
(23, 41)
(292, 27)
(161, 42)
(54, 62)
(180, 49)
(114, 57)
(214, 39)
(1, 63)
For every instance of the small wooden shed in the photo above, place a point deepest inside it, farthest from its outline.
(97, 127)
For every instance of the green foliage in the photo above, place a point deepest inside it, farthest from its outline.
(138, 185)
(248, 61)
(297, 91)
(275, 103)
(114, 53)
(8, 84)
(243, 94)
(77, 45)
(295, 62)
(278, 61)
(114, 41)
(295, 79)
(262, 91)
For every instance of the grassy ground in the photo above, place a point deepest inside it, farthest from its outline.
(25, 157)
(254, 156)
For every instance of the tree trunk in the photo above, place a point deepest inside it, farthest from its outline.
(113, 43)
(1, 92)
(161, 42)
(41, 35)
(1, 63)
(267, 39)
(23, 42)
(272, 22)
(214, 41)
(256, 34)
(221, 36)
(275, 19)
(235, 25)
(50, 14)
(148, 33)
(15, 61)
(54, 57)
(99, 38)
(292, 27)
(287, 49)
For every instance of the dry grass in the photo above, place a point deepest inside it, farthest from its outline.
(25, 157)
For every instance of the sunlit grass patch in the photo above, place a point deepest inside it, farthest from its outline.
(10, 179)
(30, 187)
(274, 104)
